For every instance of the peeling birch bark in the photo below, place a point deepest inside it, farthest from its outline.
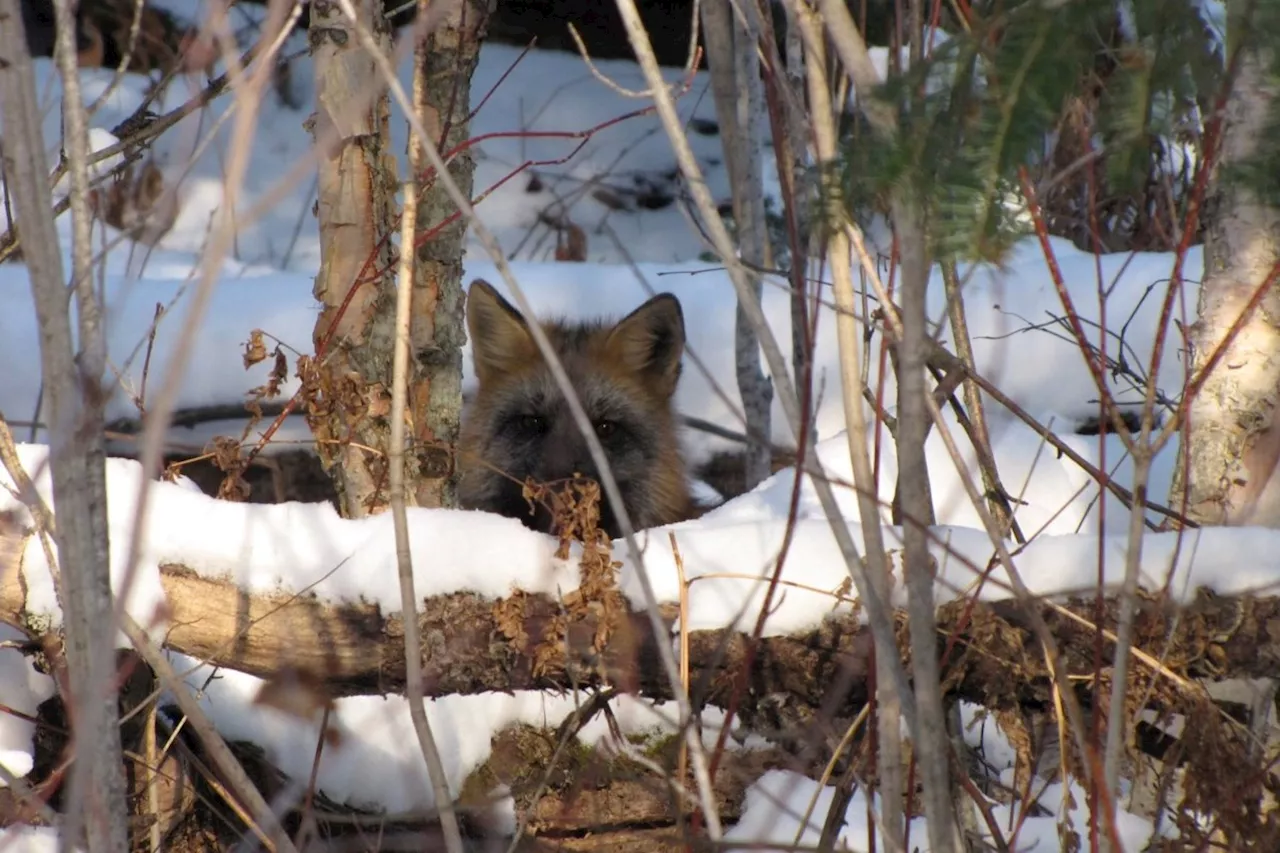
(1231, 443)
(357, 184)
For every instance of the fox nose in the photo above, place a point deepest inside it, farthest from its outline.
(559, 463)
(565, 454)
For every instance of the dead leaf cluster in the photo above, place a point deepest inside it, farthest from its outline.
(575, 507)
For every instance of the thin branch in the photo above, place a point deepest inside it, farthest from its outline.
(72, 381)
(250, 89)
(852, 51)
(265, 823)
(848, 339)
(1075, 714)
(396, 460)
(736, 86)
(126, 56)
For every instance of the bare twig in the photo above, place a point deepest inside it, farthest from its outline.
(30, 798)
(852, 51)
(35, 504)
(264, 823)
(889, 761)
(915, 501)
(126, 56)
(396, 461)
(249, 88)
(74, 414)
(973, 403)
(1074, 713)
(139, 129)
(790, 126)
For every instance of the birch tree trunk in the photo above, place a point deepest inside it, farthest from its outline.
(1231, 442)
(357, 182)
(446, 59)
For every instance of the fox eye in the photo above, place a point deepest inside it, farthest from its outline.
(531, 424)
(605, 427)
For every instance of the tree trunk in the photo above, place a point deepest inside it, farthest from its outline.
(350, 396)
(1231, 443)
(739, 99)
(446, 60)
(73, 383)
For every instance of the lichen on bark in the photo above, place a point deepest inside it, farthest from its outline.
(348, 384)
(446, 60)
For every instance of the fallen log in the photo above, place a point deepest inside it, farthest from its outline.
(473, 644)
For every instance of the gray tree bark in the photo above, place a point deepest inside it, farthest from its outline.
(913, 502)
(74, 419)
(446, 61)
(739, 98)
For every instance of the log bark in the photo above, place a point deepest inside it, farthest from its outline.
(357, 649)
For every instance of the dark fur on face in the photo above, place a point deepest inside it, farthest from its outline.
(520, 426)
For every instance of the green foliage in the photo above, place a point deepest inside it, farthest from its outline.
(1172, 66)
(995, 99)
(1261, 173)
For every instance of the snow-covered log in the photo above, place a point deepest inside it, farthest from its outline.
(472, 644)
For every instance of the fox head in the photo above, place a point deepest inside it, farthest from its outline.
(520, 426)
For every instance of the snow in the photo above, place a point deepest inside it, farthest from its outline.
(778, 801)
(542, 93)
(1011, 312)
(729, 551)
(1020, 344)
(548, 104)
(370, 764)
(22, 689)
(29, 839)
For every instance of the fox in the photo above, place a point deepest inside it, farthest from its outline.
(519, 425)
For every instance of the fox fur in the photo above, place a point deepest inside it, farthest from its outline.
(519, 424)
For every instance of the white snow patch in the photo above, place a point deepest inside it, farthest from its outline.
(22, 689)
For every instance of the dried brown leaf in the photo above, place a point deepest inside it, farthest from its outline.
(508, 615)
(255, 349)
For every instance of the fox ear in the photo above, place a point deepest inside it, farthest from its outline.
(500, 339)
(650, 341)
